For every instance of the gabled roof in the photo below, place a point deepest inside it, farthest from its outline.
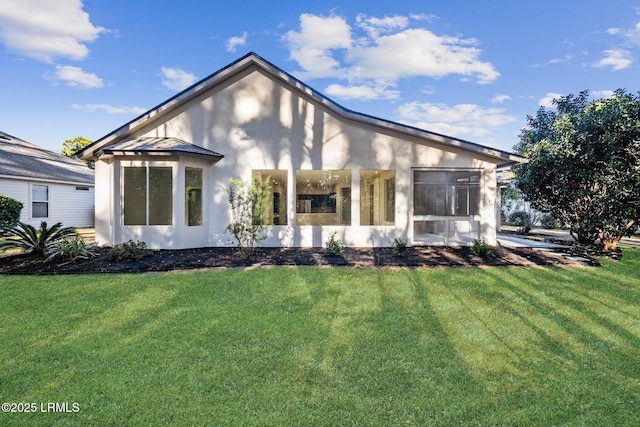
(23, 160)
(253, 60)
(160, 146)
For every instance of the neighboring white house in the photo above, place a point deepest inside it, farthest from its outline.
(163, 177)
(51, 187)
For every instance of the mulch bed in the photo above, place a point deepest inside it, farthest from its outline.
(166, 260)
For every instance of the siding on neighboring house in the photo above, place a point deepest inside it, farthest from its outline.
(72, 207)
(25, 171)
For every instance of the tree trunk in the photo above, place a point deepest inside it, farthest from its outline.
(610, 243)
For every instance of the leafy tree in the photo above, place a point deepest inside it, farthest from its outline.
(37, 242)
(584, 165)
(249, 207)
(72, 146)
(9, 211)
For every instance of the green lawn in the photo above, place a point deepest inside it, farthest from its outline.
(326, 347)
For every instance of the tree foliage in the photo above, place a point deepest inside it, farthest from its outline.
(71, 146)
(249, 207)
(584, 164)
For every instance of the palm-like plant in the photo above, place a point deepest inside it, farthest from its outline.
(26, 237)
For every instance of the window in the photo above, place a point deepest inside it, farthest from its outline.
(277, 206)
(148, 196)
(377, 197)
(450, 193)
(39, 201)
(323, 197)
(193, 196)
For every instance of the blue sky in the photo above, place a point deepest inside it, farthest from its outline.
(469, 69)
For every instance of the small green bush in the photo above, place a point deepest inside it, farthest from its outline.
(334, 246)
(548, 221)
(130, 251)
(480, 248)
(71, 248)
(9, 211)
(400, 245)
(518, 219)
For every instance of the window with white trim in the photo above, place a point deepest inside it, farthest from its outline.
(39, 201)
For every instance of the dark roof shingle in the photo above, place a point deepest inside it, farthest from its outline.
(23, 159)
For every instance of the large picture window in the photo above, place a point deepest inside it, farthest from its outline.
(446, 193)
(193, 196)
(323, 197)
(377, 197)
(277, 207)
(148, 195)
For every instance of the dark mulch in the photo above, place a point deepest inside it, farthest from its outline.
(165, 260)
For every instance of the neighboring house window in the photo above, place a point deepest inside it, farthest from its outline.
(377, 197)
(446, 205)
(277, 206)
(40, 201)
(323, 197)
(148, 195)
(193, 196)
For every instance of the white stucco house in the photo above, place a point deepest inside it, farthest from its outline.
(163, 177)
(51, 187)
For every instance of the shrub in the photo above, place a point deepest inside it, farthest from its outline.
(334, 246)
(9, 211)
(548, 221)
(130, 251)
(480, 248)
(248, 210)
(37, 242)
(400, 245)
(518, 219)
(71, 248)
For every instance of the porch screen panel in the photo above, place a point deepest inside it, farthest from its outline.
(450, 193)
(160, 196)
(193, 196)
(135, 196)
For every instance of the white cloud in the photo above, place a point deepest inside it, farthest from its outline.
(234, 42)
(613, 31)
(177, 79)
(617, 59)
(376, 26)
(360, 92)
(547, 101)
(312, 46)
(326, 47)
(602, 93)
(461, 119)
(91, 108)
(75, 77)
(46, 30)
(634, 34)
(499, 99)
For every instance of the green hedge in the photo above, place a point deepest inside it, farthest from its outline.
(9, 211)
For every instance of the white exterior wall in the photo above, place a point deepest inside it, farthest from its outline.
(257, 123)
(67, 205)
